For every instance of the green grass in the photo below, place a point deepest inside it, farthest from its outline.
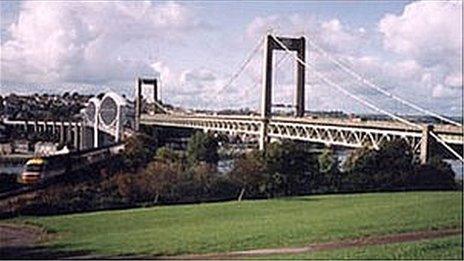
(221, 227)
(434, 249)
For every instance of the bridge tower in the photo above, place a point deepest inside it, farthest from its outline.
(293, 44)
(138, 97)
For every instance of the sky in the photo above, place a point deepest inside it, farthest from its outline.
(412, 49)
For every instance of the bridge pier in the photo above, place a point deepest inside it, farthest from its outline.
(263, 138)
(426, 144)
(69, 133)
(54, 128)
(138, 103)
(62, 133)
(119, 129)
(82, 136)
(155, 90)
(76, 136)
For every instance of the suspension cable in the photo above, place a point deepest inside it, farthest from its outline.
(441, 141)
(256, 80)
(368, 83)
(279, 62)
(243, 66)
(277, 66)
(340, 88)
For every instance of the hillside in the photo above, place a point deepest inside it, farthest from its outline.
(233, 226)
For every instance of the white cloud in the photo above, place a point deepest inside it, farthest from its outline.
(331, 34)
(439, 91)
(164, 71)
(426, 30)
(279, 24)
(103, 42)
(430, 32)
(336, 37)
(454, 79)
(199, 75)
(425, 65)
(88, 41)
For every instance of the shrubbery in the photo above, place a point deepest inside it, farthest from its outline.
(145, 176)
(393, 167)
(202, 148)
(139, 150)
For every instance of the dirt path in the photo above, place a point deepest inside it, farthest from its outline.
(11, 235)
(366, 241)
(24, 242)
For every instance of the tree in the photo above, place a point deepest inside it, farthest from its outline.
(202, 147)
(249, 173)
(138, 151)
(329, 177)
(161, 178)
(167, 155)
(436, 174)
(392, 167)
(203, 176)
(290, 166)
(126, 187)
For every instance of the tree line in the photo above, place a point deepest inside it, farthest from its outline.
(288, 168)
(149, 173)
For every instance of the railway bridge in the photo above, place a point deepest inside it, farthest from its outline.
(102, 122)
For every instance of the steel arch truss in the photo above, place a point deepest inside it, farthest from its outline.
(225, 125)
(330, 134)
(340, 136)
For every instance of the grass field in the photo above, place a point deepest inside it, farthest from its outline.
(221, 227)
(434, 249)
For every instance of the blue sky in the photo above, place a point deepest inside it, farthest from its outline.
(412, 49)
(357, 13)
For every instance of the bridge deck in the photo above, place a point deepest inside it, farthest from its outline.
(343, 132)
(387, 125)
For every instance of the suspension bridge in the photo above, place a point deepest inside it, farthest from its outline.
(329, 131)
